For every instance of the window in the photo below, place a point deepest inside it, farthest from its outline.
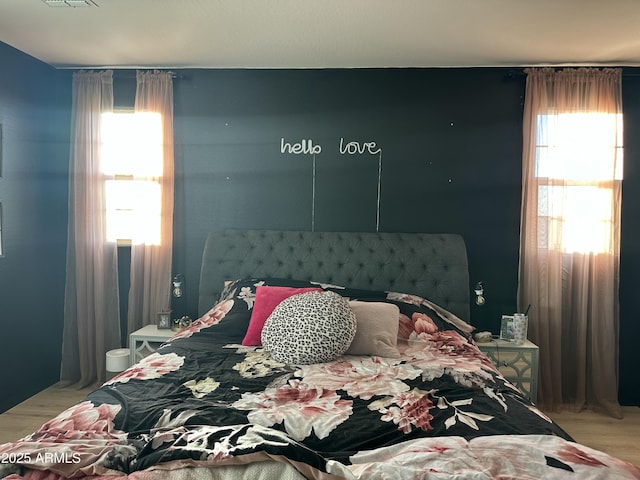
(578, 160)
(131, 161)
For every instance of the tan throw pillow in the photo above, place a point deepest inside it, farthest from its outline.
(377, 330)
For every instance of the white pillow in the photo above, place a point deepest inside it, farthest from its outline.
(312, 327)
(377, 332)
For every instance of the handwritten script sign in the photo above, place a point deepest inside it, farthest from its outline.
(307, 147)
(353, 148)
(303, 147)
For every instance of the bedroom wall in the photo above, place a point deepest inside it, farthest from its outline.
(448, 143)
(35, 103)
(629, 392)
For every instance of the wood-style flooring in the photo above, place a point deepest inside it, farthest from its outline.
(619, 438)
(29, 415)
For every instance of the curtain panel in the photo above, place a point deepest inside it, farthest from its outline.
(570, 233)
(150, 288)
(91, 303)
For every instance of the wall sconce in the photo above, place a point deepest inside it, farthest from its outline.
(178, 298)
(479, 291)
(178, 289)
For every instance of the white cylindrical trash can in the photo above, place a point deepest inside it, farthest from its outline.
(117, 361)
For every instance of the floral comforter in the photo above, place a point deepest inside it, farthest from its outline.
(441, 410)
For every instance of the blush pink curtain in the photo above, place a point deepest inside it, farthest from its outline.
(573, 294)
(150, 288)
(91, 303)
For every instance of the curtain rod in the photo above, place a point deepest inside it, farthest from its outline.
(511, 75)
(130, 73)
(515, 74)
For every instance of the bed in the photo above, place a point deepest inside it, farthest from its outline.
(315, 355)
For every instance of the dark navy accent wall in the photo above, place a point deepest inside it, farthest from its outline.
(629, 391)
(440, 152)
(35, 102)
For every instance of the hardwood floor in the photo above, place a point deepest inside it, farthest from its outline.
(616, 437)
(29, 415)
(619, 438)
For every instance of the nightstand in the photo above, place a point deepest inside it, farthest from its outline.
(517, 363)
(145, 341)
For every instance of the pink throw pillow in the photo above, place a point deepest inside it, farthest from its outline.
(267, 299)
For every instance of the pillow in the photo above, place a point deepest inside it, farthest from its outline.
(245, 288)
(377, 332)
(268, 298)
(312, 327)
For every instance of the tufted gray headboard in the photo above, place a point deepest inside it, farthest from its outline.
(433, 266)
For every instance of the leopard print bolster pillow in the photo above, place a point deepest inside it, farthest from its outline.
(312, 327)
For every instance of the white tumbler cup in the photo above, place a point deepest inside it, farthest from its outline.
(520, 324)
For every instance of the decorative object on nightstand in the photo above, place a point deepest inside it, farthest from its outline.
(517, 363)
(164, 320)
(520, 326)
(145, 341)
(483, 337)
(506, 328)
(181, 323)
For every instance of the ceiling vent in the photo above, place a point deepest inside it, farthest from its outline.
(70, 3)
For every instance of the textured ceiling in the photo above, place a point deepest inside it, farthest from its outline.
(325, 33)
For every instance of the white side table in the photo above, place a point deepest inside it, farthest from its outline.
(145, 341)
(517, 363)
